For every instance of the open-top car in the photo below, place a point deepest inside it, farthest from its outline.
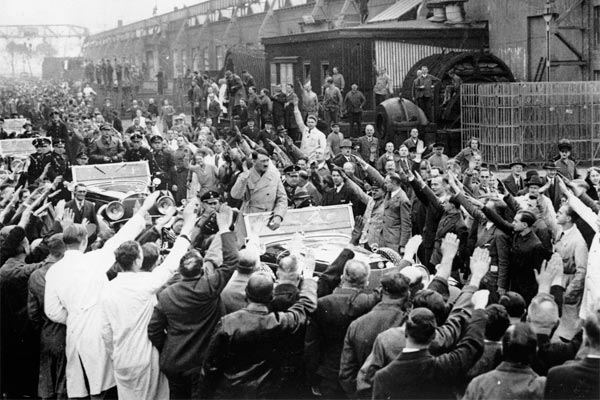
(118, 189)
(326, 230)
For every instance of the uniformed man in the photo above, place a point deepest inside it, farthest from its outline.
(57, 129)
(107, 148)
(59, 163)
(165, 165)
(292, 179)
(181, 157)
(81, 158)
(39, 159)
(207, 221)
(138, 153)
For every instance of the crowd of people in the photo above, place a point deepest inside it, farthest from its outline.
(492, 289)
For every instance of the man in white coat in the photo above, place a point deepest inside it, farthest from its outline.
(127, 306)
(591, 292)
(312, 138)
(73, 289)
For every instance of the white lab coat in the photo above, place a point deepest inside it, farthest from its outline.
(127, 305)
(73, 289)
(591, 292)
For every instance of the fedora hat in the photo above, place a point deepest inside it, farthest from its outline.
(517, 162)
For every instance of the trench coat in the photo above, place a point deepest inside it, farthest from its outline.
(261, 193)
(73, 289)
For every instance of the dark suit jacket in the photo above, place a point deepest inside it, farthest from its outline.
(510, 185)
(327, 329)
(574, 380)
(396, 221)
(345, 196)
(89, 211)
(526, 254)
(361, 335)
(242, 360)
(341, 159)
(365, 147)
(189, 311)
(419, 375)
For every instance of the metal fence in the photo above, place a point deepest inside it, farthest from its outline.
(526, 120)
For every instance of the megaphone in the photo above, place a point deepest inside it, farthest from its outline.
(164, 203)
(115, 210)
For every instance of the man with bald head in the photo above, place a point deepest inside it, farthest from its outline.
(367, 142)
(327, 329)
(233, 295)
(241, 360)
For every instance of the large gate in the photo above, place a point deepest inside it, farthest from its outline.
(526, 120)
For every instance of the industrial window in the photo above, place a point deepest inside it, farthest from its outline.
(597, 75)
(220, 56)
(150, 65)
(306, 72)
(184, 62)
(194, 59)
(325, 72)
(206, 59)
(282, 73)
(597, 27)
(176, 62)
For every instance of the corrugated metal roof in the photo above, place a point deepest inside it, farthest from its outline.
(396, 10)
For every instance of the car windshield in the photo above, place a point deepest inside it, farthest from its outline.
(120, 186)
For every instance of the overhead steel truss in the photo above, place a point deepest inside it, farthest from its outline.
(42, 31)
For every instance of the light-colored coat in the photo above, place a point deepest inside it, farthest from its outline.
(591, 291)
(73, 289)
(312, 139)
(127, 305)
(261, 193)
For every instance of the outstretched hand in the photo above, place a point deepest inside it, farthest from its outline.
(224, 218)
(450, 245)
(548, 272)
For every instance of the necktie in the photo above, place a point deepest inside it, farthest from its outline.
(217, 160)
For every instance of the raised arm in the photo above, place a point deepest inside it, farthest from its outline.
(298, 115)
(500, 222)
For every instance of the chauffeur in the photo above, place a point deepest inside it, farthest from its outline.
(59, 163)
(138, 153)
(38, 160)
(165, 164)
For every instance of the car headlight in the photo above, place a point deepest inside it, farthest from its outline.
(115, 210)
(164, 203)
